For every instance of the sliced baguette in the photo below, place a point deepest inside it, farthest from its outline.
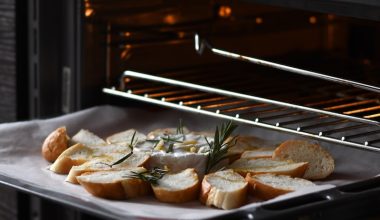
(265, 165)
(125, 137)
(258, 153)
(115, 184)
(224, 189)
(79, 154)
(87, 138)
(246, 143)
(103, 163)
(73, 156)
(321, 163)
(269, 186)
(177, 187)
(55, 144)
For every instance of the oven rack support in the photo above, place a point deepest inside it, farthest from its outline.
(256, 121)
(201, 44)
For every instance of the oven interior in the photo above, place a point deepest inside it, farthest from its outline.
(91, 52)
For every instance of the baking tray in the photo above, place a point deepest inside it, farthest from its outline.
(23, 168)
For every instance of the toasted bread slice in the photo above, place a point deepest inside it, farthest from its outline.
(258, 153)
(87, 138)
(265, 165)
(224, 189)
(125, 137)
(177, 187)
(321, 163)
(55, 144)
(115, 184)
(268, 186)
(73, 156)
(246, 143)
(104, 163)
(79, 154)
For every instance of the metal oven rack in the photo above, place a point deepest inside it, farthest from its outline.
(346, 119)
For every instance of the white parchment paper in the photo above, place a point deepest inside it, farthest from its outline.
(20, 157)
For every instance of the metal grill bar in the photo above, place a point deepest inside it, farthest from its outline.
(237, 118)
(242, 96)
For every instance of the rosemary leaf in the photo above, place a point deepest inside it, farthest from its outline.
(130, 145)
(219, 147)
(151, 176)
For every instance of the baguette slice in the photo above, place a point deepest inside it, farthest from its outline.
(125, 137)
(100, 164)
(224, 189)
(269, 186)
(115, 184)
(265, 165)
(73, 156)
(87, 138)
(321, 163)
(258, 153)
(177, 187)
(79, 154)
(246, 143)
(55, 144)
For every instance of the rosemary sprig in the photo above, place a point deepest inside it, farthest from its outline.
(151, 176)
(219, 147)
(130, 145)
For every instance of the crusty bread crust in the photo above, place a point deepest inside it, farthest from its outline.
(54, 144)
(263, 191)
(64, 162)
(105, 190)
(321, 163)
(298, 171)
(190, 193)
(213, 196)
(118, 189)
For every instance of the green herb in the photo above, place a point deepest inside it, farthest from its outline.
(219, 147)
(151, 176)
(170, 148)
(180, 127)
(130, 145)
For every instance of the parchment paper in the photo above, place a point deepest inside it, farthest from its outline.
(20, 157)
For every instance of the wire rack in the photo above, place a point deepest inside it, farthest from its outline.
(348, 118)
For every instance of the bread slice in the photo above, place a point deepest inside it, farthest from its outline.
(79, 154)
(73, 156)
(103, 163)
(87, 138)
(246, 143)
(258, 153)
(125, 137)
(224, 189)
(321, 163)
(265, 165)
(177, 187)
(115, 184)
(269, 186)
(55, 144)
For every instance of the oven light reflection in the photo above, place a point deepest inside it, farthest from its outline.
(259, 20)
(225, 11)
(312, 20)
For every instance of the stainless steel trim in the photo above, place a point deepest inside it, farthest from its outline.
(201, 44)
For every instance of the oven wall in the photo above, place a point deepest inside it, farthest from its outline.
(8, 201)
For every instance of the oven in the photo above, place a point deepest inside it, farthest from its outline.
(307, 68)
